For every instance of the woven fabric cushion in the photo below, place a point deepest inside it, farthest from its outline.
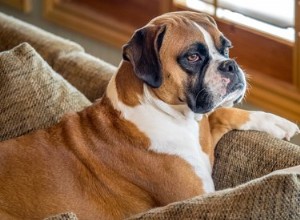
(63, 216)
(87, 73)
(242, 156)
(274, 196)
(32, 95)
(14, 32)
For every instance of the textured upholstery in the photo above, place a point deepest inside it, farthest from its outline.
(242, 156)
(270, 197)
(63, 216)
(13, 32)
(64, 56)
(87, 73)
(246, 189)
(32, 95)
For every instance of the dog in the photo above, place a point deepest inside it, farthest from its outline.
(149, 141)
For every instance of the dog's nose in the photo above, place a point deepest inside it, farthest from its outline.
(228, 66)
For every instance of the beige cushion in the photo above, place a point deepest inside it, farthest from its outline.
(245, 157)
(63, 216)
(242, 156)
(87, 73)
(32, 95)
(274, 196)
(14, 32)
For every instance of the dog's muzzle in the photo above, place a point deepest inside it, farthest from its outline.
(231, 71)
(226, 87)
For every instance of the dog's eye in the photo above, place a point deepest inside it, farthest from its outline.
(193, 58)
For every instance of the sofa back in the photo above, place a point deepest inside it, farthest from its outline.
(88, 74)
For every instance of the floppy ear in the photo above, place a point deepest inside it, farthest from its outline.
(142, 51)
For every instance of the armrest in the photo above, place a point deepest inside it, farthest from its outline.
(245, 155)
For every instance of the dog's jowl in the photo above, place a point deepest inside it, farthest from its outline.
(149, 141)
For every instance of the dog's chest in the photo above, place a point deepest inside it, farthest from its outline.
(174, 136)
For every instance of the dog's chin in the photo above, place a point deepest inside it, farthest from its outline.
(216, 101)
(232, 98)
(198, 109)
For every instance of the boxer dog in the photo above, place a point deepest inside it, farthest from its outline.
(149, 141)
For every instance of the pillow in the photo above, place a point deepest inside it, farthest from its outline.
(63, 216)
(32, 95)
(275, 196)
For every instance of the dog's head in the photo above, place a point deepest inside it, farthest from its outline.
(184, 59)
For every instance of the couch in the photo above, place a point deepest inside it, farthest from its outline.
(44, 76)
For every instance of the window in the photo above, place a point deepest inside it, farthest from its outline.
(274, 17)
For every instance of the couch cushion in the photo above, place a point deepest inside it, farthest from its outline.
(63, 216)
(242, 156)
(14, 32)
(275, 196)
(87, 73)
(32, 95)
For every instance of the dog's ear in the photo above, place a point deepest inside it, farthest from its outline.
(142, 51)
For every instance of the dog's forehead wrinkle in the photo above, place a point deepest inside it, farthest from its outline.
(175, 19)
(210, 43)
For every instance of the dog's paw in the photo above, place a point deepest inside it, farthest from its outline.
(272, 124)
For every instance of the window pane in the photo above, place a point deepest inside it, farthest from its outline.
(203, 6)
(279, 13)
(275, 17)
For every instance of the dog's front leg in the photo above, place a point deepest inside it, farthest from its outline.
(224, 120)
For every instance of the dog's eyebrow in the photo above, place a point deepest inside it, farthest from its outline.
(225, 42)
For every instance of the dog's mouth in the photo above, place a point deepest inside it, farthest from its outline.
(233, 98)
(200, 102)
(207, 100)
(216, 89)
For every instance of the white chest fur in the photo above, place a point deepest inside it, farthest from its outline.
(172, 130)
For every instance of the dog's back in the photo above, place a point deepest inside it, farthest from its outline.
(69, 167)
(79, 165)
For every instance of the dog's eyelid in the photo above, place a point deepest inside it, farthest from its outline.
(194, 57)
(190, 53)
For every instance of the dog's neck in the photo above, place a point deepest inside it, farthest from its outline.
(171, 130)
(126, 91)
